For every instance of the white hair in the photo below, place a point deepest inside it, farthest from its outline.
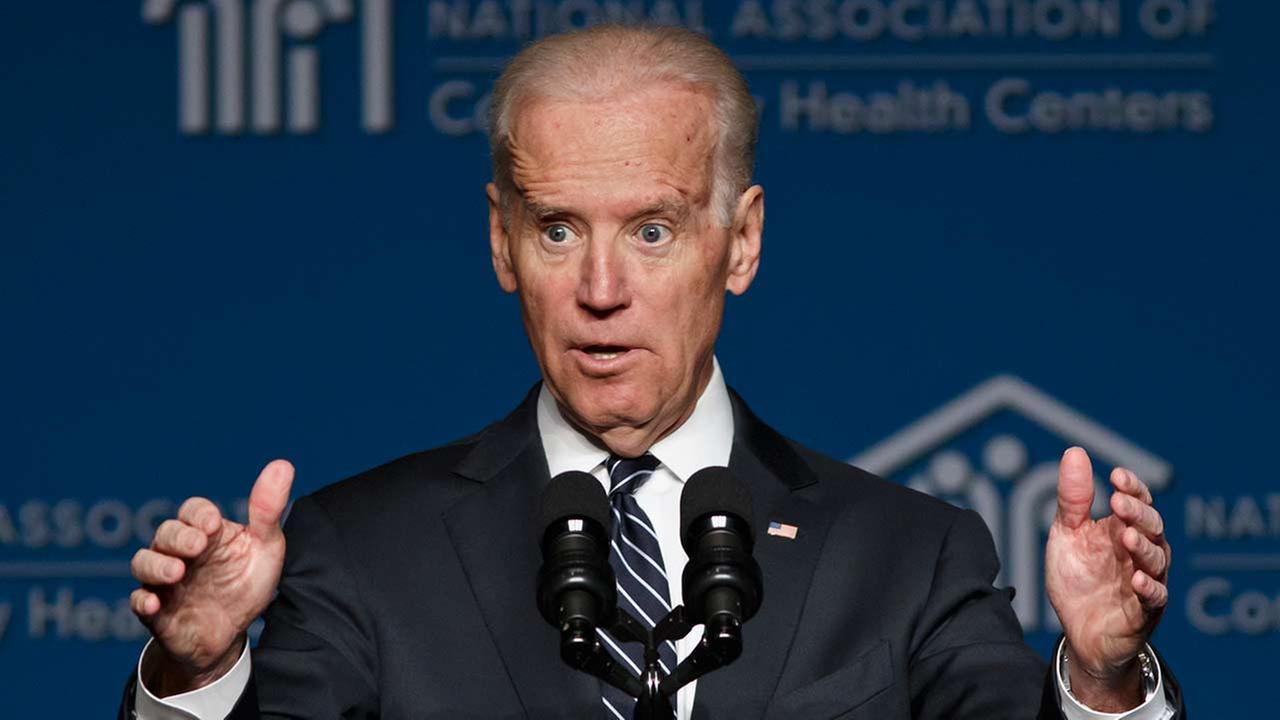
(607, 59)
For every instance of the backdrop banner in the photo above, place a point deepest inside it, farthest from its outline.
(243, 229)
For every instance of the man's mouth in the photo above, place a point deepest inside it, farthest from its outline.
(604, 352)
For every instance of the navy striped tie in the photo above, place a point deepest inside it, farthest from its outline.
(642, 579)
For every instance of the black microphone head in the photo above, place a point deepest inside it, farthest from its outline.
(574, 494)
(722, 583)
(712, 490)
(576, 585)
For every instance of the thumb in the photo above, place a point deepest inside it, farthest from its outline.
(269, 497)
(1075, 487)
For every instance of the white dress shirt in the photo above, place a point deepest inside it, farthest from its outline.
(705, 439)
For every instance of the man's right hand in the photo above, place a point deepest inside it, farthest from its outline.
(204, 580)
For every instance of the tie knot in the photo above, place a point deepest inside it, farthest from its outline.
(628, 474)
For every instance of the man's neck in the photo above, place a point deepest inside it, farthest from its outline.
(634, 441)
(703, 437)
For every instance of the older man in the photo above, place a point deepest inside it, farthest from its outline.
(620, 213)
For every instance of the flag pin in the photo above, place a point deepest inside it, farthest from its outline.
(783, 530)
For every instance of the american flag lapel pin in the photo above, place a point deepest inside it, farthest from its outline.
(783, 530)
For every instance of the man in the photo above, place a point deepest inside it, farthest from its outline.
(620, 213)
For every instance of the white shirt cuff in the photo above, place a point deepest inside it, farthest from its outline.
(1156, 706)
(211, 702)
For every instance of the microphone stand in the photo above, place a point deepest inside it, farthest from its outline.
(720, 645)
(582, 650)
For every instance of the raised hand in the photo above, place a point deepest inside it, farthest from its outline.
(204, 580)
(1107, 580)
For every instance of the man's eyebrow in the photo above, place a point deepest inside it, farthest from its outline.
(541, 212)
(678, 211)
(674, 209)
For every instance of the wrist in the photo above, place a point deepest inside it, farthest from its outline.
(165, 675)
(1110, 689)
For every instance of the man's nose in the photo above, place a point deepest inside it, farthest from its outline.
(602, 289)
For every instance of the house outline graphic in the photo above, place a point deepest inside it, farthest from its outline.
(1017, 521)
(1007, 392)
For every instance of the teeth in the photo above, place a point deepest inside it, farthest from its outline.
(605, 355)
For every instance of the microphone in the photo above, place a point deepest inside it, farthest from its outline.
(577, 591)
(722, 582)
(576, 587)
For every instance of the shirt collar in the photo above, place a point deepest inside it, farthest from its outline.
(705, 439)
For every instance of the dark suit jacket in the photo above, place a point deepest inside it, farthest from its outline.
(408, 592)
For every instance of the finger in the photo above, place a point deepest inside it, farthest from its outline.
(269, 497)
(1140, 515)
(1075, 487)
(152, 568)
(1147, 556)
(144, 603)
(201, 513)
(179, 539)
(1153, 594)
(1126, 482)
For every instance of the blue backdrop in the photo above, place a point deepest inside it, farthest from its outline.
(234, 231)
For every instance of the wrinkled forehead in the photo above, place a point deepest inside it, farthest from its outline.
(663, 134)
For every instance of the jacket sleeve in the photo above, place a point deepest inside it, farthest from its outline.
(317, 656)
(968, 659)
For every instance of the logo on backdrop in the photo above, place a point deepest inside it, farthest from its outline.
(844, 68)
(995, 450)
(284, 66)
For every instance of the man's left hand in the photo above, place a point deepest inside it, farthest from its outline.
(1107, 581)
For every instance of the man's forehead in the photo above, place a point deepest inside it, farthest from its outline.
(678, 116)
(656, 137)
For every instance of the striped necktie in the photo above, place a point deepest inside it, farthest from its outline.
(642, 579)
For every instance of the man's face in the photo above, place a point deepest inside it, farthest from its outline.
(619, 258)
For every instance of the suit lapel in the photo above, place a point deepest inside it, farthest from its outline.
(493, 533)
(778, 478)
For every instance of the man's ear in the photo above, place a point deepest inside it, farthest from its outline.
(744, 240)
(500, 242)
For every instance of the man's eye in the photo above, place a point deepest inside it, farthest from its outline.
(653, 234)
(558, 234)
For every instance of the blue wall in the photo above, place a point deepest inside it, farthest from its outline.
(179, 306)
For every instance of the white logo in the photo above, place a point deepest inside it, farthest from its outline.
(967, 453)
(301, 21)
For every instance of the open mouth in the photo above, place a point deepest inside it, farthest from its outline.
(604, 352)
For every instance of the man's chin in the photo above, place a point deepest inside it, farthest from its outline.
(621, 418)
(601, 406)
(598, 419)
